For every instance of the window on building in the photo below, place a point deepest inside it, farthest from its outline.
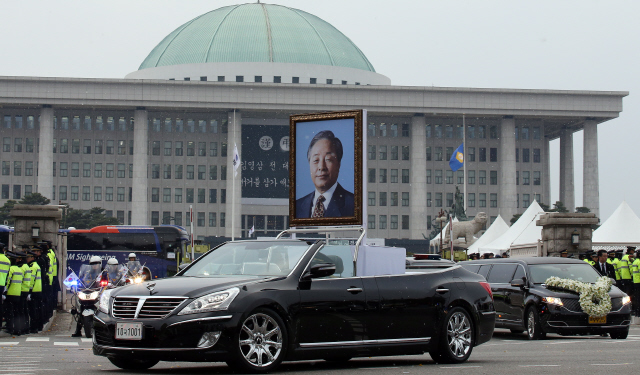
(405, 130)
(437, 131)
(482, 177)
(383, 152)
(212, 219)
(482, 201)
(525, 177)
(536, 177)
(405, 222)
(223, 172)
(178, 174)
(394, 176)
(28, 168)
(536, 155)
(75, 146)
(394, 152)
(190, 172)
(448, 131)
(405, 152)
(179, 149)
(86, 169)
(17, 168)
(223, 195)
(371, 152)
(405, 176)
(405, 199)
(428, 176)
(471, 177)
(471, 154)
(120, 194)
(86, 193)
(394, 222)
(371, 198)
(449, 176)
(97, 193)
(239, 78)
(110, 147)
(213, 195)
(460, 175)
(223, 219)
(526, 200)
(191, 148)
(28, 146)
(493, 132)
(393, 130)
(313, 81)
(536, 132)
(459, 131)
(277, 79)
(438, 154)
(382, 198)
(471, 200)
(493, 177)
(429, 202)
(438, 179)
(202, 172)
(213, 149)
(166, 195)
(17, 145)
(394, 198)
(155, 194)
(438, 200)
(428, 153)
(213, 172)
(371, 221)
(494, 200)
(6, 144)
(6, 168)
(295, 79)
(190, 195)
(202, 195)
(382, 178)
(75, 169)
(382, 222)
(427, 131)
(371, 130)
(371, 175)
(525, 132)
(449, 199)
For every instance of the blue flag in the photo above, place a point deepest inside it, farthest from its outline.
(457, 159)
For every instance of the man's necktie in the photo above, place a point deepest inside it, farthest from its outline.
(318, 210)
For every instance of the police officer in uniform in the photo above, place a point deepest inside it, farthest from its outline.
(35, 293)
(625, 272)
(14, 289)
(24, 291)
(55, 284)
(43, 263)
(5, 264)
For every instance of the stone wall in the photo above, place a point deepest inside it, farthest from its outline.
(557, 229)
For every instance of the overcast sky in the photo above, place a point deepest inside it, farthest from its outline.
(574, 45)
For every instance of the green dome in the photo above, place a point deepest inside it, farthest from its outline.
(257, 33)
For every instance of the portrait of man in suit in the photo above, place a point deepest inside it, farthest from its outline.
(329, 199)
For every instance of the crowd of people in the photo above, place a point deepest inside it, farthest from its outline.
(29, 287)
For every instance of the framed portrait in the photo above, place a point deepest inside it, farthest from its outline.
(325, 169)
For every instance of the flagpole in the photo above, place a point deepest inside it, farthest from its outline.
(233, 185)
(464, 163)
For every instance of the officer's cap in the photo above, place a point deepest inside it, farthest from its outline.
(16, 254)
(564, 251)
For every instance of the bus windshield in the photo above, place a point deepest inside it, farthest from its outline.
(249, 258)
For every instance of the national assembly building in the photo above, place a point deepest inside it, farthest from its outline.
(148, 146)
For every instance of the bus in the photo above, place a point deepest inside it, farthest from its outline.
(6, 235)
(159, 248)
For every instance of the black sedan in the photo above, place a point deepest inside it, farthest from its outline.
(524, 303)
(254, 304)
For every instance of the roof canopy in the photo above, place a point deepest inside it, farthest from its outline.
(497, 229)
(622, 228)
(524, 231)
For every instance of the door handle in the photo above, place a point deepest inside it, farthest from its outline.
(354, 290)
(442, 290)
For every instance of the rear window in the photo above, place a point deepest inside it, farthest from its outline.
(471, 267)
(502, 273)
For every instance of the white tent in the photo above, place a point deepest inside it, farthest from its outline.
(497, 229)
(436, 240)
(622, 228)
(525, 227)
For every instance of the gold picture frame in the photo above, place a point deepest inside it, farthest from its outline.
(303, 130)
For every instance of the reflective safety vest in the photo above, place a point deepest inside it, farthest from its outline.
(586, 260)
(5, 264)
(26, 278)
(53, 263)
(635, 271)
(609, 261)
(52, 259)
(36, 276)
(591, 262)
(14, 283)
(616, 263)
(623, 266)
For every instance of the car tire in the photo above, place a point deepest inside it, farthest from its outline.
(533, 325)
(619, 335)
(457, 338)
(517, 331)
(130, 363)
(260, 343)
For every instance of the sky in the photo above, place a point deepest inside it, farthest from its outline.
(567, 45)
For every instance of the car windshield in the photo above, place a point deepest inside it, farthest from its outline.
(579, 272)
(249, 258)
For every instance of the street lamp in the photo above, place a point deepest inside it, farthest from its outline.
(575, 238)
(35, 230)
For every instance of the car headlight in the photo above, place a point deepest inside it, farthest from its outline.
(137, 280)
(211, 302)
(88, 296)
(626, 300)
(552, 301)
(104, 301)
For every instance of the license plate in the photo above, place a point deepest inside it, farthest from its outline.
(129, 331)
(597, 320)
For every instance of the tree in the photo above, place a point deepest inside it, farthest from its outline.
(86, 219)
(515, 218)
(5, 211)
(545, 207)
(35, 199)
(583, 210)
(559, 207)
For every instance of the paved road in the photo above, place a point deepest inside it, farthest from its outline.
(506, 353)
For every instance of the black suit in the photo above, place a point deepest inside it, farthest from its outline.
(609, 270)
(341, 204)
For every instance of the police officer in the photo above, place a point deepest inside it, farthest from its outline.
(635, 272)
(114, 271)
(43, 263)
(14, 289)
(24, 291)
(625, 271)
(55, 284)
(613, 255)
(5, 264)
(35, 293)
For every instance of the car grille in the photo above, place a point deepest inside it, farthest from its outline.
(151, 308)
(573, 304)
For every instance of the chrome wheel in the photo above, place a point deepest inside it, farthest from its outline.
(459, 334)
(531, 323)
(260, 340)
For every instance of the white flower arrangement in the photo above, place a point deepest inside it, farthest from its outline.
(594, 298)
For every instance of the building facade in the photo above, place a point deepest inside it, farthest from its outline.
(147, 147)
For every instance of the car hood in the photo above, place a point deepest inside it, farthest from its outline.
(186, 286)
(554, 292)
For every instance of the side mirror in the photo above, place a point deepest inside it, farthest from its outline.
(320, 270)
(518, 283)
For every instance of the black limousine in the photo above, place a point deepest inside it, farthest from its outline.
(524, 303)
(254, 304)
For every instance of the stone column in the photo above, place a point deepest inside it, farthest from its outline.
(590, 186)
(507, 183)
(567, 195)
(418, 178)
(546, 168)
(45, 156)
(234, 201)
(140, 183)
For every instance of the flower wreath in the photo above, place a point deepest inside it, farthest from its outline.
(594, 298)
